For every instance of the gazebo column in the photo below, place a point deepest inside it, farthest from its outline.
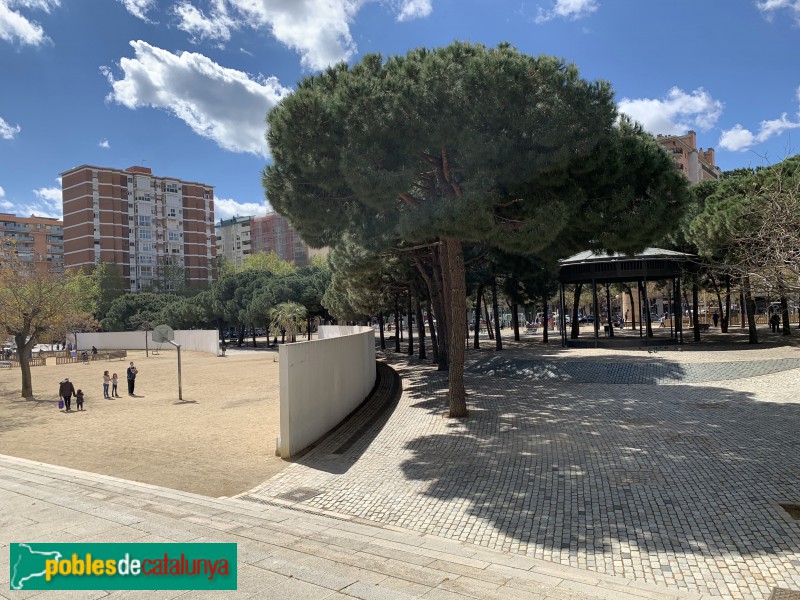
(608, 308)
(562, 315)
(594, 309)
(649, 324)
(677, 311)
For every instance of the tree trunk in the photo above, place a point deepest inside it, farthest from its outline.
(421, 330)
(23, 349)
(787, 329)
(432, 327)
(496, 313)
(410, 325)
(696, 308)
(440, 303)
(545, 338)
(742, 308)
(308, 329)
(489, 327)
(381, 331)
(727, 320)
(576, 327)
(751, 312)
(476, 343)
(240, 340)
(396, 325)
(633, 312)
(456, 288)
(515, 320)
(255, 344)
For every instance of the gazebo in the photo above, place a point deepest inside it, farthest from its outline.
(653, 264)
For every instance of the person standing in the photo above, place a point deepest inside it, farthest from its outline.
(106, 383)
(715, 317)
(132, 372)
(79, 398)
(66, 391)
(114, 381)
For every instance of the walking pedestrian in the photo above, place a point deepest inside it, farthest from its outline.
(715, 317)
(79, 397)
(106, 383)
(132, 372)
(114, 381)
(65, 391)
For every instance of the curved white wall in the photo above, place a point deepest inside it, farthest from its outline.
(322, 382)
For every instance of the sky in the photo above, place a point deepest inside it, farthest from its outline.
(183, 86)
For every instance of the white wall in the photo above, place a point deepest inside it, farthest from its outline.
(194, 339)
(321, 382)
(325, 332)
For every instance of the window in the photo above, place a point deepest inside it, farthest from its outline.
(174, 236)
(145, 246)
(145, 271)
(207, 195)
(145, 234)
(172, 187)
(172, 212)
(144, 221)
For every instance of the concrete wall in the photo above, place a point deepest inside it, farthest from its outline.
(325, 332)
(322, 382)
(195, 340)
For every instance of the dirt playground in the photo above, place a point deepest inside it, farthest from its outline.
(220, 441)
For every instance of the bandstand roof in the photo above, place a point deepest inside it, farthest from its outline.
(650, 264)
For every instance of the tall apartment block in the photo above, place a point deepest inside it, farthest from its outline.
(233, 239)
(272, 233)
(38, 241)
(696, 164)
(144, 224)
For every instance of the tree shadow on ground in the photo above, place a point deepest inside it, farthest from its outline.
(615, 471)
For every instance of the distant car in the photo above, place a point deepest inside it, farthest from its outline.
(586, 320)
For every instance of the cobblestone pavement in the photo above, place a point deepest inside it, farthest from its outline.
(282, 552)
(652, 373)
(677, 485)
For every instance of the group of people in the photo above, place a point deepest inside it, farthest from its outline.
(66, 390)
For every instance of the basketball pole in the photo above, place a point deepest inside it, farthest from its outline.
(180, 385)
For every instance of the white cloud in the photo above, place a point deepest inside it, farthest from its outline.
(104, 144)
(770, 7)
(414, 9)
(5, 204)
(676, 113)
(227, 208)
(216, 26)
(567, 9)
(317, 29)
(738, 138)
(47, 204)
(222, 104)
(14, 26)
(139, 8)
(8, 131)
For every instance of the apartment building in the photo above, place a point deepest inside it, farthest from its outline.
(696, 164)
(151, 227)
(272, 233)
(38, 241)
(233, 239)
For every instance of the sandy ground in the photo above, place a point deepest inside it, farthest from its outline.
(219, 441)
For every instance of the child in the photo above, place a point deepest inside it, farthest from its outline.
(79, 397)
(114, 386)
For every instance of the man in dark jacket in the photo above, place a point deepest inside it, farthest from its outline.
(132, 372)
(66, 391)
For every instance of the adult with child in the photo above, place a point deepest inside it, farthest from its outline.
(66, 391)
(106, 383)
(132, 372)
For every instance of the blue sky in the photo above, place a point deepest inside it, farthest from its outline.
(182, 86)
